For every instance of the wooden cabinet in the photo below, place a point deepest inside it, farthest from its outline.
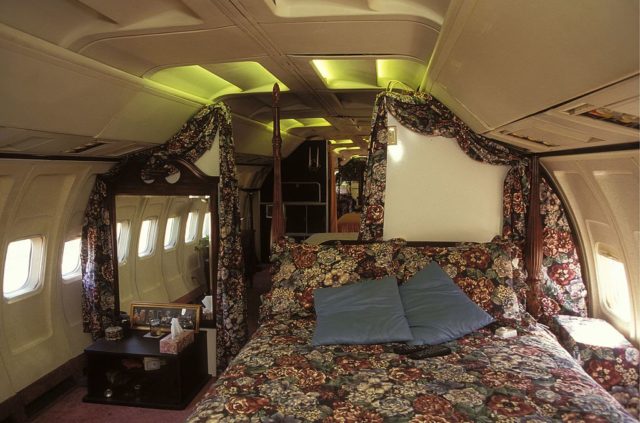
(117, 375)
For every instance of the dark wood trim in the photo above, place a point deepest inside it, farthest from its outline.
(19, 408)
(277, 214)
(22, 156)
(533, 243)
(590, 150)
(578, 239)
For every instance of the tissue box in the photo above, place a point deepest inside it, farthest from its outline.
(174, 346)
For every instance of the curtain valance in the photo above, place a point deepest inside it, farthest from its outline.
(427, 116)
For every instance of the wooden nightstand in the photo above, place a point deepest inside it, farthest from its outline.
(117, 375)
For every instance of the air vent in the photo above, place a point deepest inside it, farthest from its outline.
(607, 115)
(527, 138)
(86, 147)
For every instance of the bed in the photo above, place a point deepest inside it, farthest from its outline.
(280, 376)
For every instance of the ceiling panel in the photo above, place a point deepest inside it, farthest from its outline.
(401, 38)
(503, 60)
(142, 53)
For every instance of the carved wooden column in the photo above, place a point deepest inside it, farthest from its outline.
(277, 215)
(533, 247)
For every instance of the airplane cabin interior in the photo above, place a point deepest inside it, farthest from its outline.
(320, 210)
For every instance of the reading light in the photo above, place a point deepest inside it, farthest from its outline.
(339, 149)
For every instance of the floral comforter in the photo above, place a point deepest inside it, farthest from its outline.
(280, 377)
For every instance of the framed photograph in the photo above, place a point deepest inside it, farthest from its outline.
(144, 314)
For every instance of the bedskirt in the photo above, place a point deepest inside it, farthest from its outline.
(280, 377)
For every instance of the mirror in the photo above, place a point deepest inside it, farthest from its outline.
(162, 248)
(157, 233)
(349, 195)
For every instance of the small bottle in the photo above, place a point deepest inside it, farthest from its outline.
(154, 327)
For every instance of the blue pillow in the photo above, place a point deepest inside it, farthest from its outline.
(437, 309)
(368, 312)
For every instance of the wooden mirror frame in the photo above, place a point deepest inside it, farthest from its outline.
(191, 182)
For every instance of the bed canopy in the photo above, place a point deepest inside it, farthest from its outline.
(550, 282)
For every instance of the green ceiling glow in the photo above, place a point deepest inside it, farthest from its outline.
(340, 142)
(339, 149)
(368, 73)
(217, 80)
(287, 124)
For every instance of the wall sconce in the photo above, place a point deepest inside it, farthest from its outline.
(392, 136)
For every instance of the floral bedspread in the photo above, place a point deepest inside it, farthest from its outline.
(280, 377)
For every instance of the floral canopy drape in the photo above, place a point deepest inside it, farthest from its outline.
(563, 286)
(195, 137)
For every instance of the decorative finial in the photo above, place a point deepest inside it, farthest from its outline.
(276, 94)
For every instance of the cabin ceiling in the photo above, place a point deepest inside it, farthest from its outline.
(510, 69)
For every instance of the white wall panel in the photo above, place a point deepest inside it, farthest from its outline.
(435, 192)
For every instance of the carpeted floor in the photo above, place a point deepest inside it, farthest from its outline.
(69, 408)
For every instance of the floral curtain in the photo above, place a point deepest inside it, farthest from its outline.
(194, 138)
(563, 287)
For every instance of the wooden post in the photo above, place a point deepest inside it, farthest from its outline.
(277, 214)
(533, 247)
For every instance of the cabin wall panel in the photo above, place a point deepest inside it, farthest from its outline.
(41, 198)
(148, 273)
(166, 275)
(127, 210)
(6, 389)
(602, 192)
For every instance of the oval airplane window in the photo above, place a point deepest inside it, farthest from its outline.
(171, 232)
(22, 267)
(192, 226)
(147, 238)
(71, 259)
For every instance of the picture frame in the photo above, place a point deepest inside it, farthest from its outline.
(142, 313)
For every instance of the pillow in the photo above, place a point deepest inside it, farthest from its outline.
(369, 312)
(298, 269)
(437, 309)
(484, 271)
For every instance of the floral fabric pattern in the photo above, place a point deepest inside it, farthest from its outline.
(194, 138)
(616, 367)
(563, 288)
(299, 269)
(484, 271)
(280, 377)
(96, 254)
